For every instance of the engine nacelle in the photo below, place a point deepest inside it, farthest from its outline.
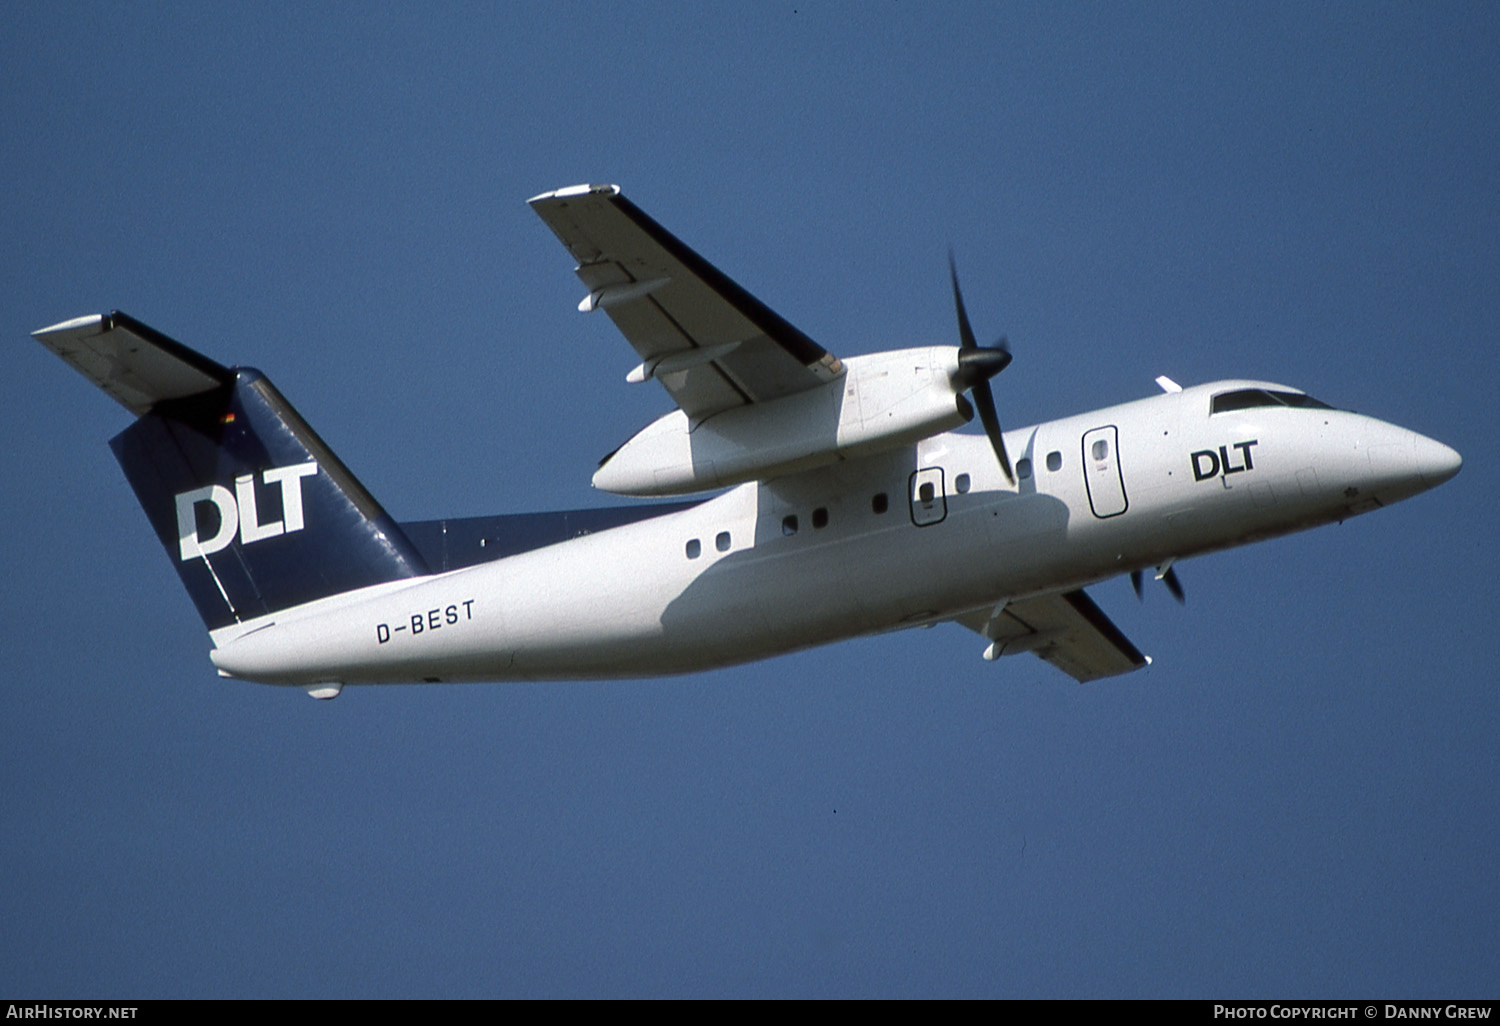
(882, 400)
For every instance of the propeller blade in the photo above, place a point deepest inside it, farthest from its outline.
(1173, 584)
(1166, 574)
(984, 402)
(965, 333)
(976, 365)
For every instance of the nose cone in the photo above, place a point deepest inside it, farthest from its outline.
(1435, 461)
(1401, 463)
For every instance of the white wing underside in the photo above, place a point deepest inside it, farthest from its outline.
(1067, 630)
(711, 344)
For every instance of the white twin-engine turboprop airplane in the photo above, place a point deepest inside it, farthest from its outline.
(845, 506)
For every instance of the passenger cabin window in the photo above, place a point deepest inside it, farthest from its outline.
(1054, 461)
(789, 525)
(1023, 468)
(961, 482)
(694, 549)
(1248, 398)
(820, 518)
(880, 503)
(722, 541)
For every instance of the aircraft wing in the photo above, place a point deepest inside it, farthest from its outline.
(1067, 630)
(710, 343)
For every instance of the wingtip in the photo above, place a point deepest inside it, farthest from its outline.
(575, 190)
(89, 324)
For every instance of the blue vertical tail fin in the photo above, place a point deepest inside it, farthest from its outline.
(252, 507)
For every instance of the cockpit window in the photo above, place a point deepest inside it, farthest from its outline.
(1245, 398)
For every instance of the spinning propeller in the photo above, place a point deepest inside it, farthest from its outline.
(976, 365)
(1167, 575)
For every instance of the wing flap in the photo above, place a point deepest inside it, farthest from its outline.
(1067, 630)
(667, 300)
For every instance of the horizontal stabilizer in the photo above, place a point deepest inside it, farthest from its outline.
(137, 365)
(255, 511)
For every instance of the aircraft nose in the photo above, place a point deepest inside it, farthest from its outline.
(1436, 462)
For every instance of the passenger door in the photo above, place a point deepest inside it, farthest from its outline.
(928, 504)
(1101, 473)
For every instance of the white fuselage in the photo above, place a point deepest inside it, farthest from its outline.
(770, 567)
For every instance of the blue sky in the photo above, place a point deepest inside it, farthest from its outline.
(1297, 799)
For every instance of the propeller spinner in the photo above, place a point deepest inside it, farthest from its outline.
(976, 365)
